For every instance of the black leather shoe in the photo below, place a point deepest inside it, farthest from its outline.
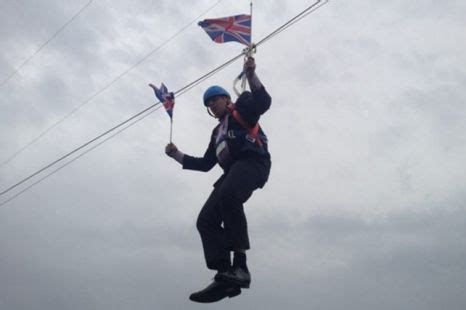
(235, 276)
(215, 291)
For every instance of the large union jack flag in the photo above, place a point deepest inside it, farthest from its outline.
(234, 28)
(167, 98)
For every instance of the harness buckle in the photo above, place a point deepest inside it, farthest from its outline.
(231, 134)
(250, 139)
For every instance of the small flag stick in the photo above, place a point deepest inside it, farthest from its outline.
(171, 129)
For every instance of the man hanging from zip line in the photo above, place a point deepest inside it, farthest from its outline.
(239, 146)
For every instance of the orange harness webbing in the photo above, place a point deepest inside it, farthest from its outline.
(253, 131)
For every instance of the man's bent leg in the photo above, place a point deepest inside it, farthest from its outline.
(244, 177)
(209, 225)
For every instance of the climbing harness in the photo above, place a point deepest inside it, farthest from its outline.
(252, 131)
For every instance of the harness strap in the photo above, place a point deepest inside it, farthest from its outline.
(243, 134)
(253, 131)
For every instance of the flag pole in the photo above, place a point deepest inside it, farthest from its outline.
(171, 129)
(249, 52)
(250, 12)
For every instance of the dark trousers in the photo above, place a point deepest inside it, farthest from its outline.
(222, 223)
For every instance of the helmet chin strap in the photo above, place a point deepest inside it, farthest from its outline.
(210, 113)
(227, 108)
(213, 115)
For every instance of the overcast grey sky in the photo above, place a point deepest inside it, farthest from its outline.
(365, 207)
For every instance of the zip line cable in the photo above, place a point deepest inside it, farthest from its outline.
(77, 108)
(77, 149)
(179, 92)
(206, 76)
(77, 157)
(155, 107)
(294, 20)
(45, 43)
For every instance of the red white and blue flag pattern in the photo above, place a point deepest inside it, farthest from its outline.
(234, 28)
(167, 98)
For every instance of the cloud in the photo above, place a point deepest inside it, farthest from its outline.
(365, 203)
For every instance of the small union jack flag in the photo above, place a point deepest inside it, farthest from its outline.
(167, 99)
(234, 28)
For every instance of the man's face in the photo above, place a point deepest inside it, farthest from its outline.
(218, 105)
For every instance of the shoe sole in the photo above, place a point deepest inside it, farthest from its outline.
(233, 293)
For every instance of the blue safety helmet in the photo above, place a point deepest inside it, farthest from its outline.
(214, 91)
